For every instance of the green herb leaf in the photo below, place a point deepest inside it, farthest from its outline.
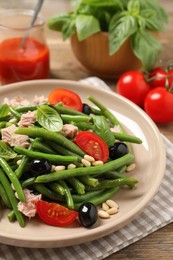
(86, 25)
(122, 26)
(56, 22)
(4, 110)
(48, 118)
(6, 152)
(146, 48)
(102, 129)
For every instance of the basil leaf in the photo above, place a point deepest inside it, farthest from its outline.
(56, 22)
(48, 118)
(102, 129)
(122, 26)
(86, 25)
(146, 48)
(151, 20)
(4, 110)
(6, 151)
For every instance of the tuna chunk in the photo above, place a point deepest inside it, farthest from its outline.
(28, 208)
(17, 101)
(69, 131)
(12, 139)
(27, 119)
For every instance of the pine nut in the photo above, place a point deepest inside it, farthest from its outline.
(96, 163)
(18, 162)
(16, 195)
(112, 210)
(53, 168)
(112, 204)
(71, 166)
(89, 158)
(131, 167)
(103, 214)
(12, 186)
(105, 207)
(59, 168)
(86, 163)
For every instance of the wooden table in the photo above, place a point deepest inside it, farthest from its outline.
(65, 66)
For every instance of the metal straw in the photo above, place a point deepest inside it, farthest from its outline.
(36, 11)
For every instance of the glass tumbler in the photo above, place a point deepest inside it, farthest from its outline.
(22, 62)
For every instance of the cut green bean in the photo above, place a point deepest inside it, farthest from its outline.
(75, 118)
(56, 187)
(89, 180)
(41, 146)
(77, 185)
(51, 157)
(127, 138)
(68, 197)
(86, 196)
(22, 166)
(13, 178)
(102, 197)
(80, 171)
(105, 184)
(4, 197)
(64, 110)
(28, 182)
(51, 136)
(48, 192)
(12, 198)
(15, 113)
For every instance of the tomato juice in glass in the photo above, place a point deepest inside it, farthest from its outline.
(22, 63)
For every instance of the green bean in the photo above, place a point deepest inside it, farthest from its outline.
(75, 118)
(113, 174)
(2, 124)
(55, 186)
(105, 184)
(37, 144)
(127, 138)
(84, 125)
(68, 111)
(86, 196)
(96, 111)
(89, 180)
(13, 178)
(51, 136)
(111, 165)
(22, 109)
(107, 113)
(12, 198)
(103, 196)
(51, 157)
(48, 192)
(63, 150)
(28, 182)
(15, 113)
(22, 166)
(4, 197)
(77, 185)
(11, 216)
(67, 194)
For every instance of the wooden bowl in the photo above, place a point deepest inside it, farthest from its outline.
(93, 54)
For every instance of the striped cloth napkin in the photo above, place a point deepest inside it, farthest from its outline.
(156, 215)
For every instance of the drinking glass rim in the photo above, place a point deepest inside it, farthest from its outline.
(29, 12)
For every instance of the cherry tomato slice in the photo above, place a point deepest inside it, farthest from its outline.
(93, 145)
(54, 214)
(69, 98)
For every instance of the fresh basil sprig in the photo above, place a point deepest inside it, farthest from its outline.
(4, 110)
(6, 152)
(133, 19)
(48, 118)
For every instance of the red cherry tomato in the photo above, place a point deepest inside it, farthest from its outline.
(157, 77)
(133, 86)
(69, 98)
(54, 214)
(93, 145)
(159, 105)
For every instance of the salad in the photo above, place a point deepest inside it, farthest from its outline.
(60, 158)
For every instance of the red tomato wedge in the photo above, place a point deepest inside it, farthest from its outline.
(93, 145)
(54, 214)
(69, 98)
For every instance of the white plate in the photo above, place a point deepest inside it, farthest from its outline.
(150, 161)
